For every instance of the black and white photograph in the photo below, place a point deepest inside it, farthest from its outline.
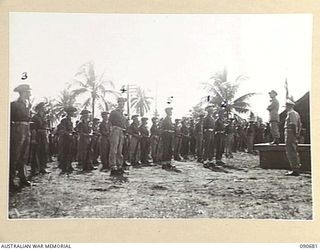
(164, 116)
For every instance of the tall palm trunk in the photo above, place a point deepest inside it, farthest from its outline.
(93, 104)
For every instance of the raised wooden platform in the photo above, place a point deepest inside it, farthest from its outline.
(274, 157)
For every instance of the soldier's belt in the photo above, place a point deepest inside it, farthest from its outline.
(85, 134)
(169, 131)
(219, 132)
(208, 130)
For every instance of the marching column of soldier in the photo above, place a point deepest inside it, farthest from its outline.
(117, 143)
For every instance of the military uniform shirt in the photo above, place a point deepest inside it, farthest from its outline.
(219, 126)
(177, 130)
(191, 130)
(199, 128)
(38, 122)
(274, 110)
(208, 123)
(155, 130)
(104, 128)
(65, 125)
(20, 111)
(134, 129)
(167, 124)
(184, 130)
(293, 118)
(84, 128)
(144, 131)
(117, 118)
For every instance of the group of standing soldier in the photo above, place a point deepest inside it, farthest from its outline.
(119, 144)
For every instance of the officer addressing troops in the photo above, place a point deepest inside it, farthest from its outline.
(292, 128)
(19, 135)
(273, 109)
(118, 125)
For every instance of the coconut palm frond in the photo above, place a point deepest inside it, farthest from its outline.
(87, 103)
(107, 83)
(244, 97)
(241, 109)
(79, 91)
(241, 78)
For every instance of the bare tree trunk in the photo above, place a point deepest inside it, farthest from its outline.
(93, 103)
(106, 106)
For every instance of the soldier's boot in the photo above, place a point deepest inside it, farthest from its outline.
(220, 163)
(292, 173)
(275, 141)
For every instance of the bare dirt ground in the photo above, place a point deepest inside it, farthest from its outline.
(242, 190)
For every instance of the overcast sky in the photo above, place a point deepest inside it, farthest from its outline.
(173, 52)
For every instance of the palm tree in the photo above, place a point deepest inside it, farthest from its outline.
(65, 99)
(141, 102)
(94, 86)
(221, 93)
(50, 107)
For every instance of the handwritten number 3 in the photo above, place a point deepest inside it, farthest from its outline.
(24, 76)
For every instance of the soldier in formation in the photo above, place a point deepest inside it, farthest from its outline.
(39, 141)
(204, 138)
(19, 136)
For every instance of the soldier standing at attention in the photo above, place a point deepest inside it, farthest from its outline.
(51, 144)
(292, 130)
(65, 130)
(85, 143)
(19, 135)
(39, 140)
(167, 133)
(126, 146)
(220, 137)
(199, 138)
(230, 132)
(144, 141)
(155, 138)
(185, 139)
(192, 139)
(104, 129)
(273, 109)
(177, 140)
(208, 134)
(118, 126)
(134, 133)
(251, 134)
(95, 141)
